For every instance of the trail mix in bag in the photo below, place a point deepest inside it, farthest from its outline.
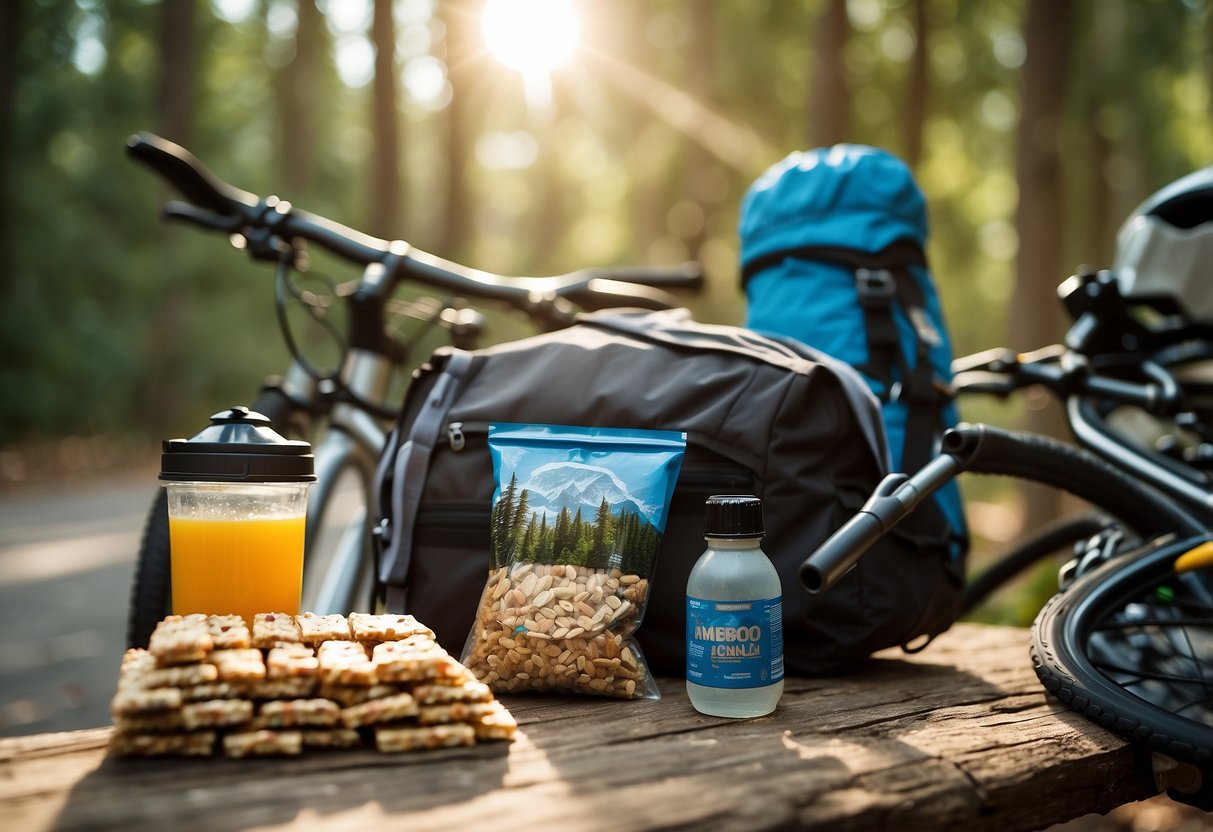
(577, 519)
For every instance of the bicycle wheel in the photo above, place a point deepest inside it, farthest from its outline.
(1130, 645)
(337, 571)
(150, 589)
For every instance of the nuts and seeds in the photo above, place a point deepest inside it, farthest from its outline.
(560, 627)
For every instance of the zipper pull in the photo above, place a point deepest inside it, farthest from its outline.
(454, 435)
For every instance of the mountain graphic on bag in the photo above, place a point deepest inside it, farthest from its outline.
(832, 255)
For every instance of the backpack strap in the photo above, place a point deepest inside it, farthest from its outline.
(408, 466)
(880, 279)
(919, 390)
(675, 328)
(876, 289)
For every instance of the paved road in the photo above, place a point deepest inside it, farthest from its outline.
(66, 558)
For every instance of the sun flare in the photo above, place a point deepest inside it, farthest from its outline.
(531, 36)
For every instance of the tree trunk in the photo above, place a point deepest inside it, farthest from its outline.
(829, 116)
(175, 96)
(1102, 33)
(1036, 318)
(648, 192)
(701, 85)
(460, 17)
(917, 85)
(551, 216)
(386, 218)
(10, 41)
(298, 85)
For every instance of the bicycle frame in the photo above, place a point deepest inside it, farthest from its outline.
(335, 581)
(344, 414)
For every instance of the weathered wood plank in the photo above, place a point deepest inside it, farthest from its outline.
(958, 735)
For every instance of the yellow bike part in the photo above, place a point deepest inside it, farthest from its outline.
(1196, 558)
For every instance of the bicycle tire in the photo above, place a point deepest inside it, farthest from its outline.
(1061, 654)
(151, 586)
(1041, 544)
(337, 573)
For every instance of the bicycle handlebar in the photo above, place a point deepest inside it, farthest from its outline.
(984, 449)
(1001, 372)
(183, 171)
(215, 205)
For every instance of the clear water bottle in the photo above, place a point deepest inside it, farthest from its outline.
(734, 615)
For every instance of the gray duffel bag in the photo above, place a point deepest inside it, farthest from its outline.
(762, 416)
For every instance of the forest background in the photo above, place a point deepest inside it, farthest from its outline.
(1033, 126)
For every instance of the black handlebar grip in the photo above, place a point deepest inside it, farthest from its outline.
(185, 173)
(984, 449)
(840, 552)
(688, 275)
(693, 273)
(601, 293)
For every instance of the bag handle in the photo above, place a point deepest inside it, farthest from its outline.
(409, 465)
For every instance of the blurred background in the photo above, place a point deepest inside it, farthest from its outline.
(522, 137)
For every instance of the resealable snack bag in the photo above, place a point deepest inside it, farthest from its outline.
(576, 523)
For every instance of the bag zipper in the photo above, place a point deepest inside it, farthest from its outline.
(721, 476)
(457, 433)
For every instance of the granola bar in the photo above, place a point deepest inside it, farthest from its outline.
(289, 713)
(291, 661)
(213, 690)
(346, 695)
(331, 738)
(200, 744)
(469, 691)
(157, 723)
(434, 736)
(132, 701)
(345, 663)
(387, 709)
(180, 640)
(229, 632)
(273, 629)
(135, 663)
(214, 713)
(317, 628)
(454, 712)
(244, 665)
(299, 687)
(408, 661)
(176, 676)
(368, 628)
(497, 724)
(262, 743)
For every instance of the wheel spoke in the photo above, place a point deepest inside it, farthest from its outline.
(1141, 623)
(1153, 675)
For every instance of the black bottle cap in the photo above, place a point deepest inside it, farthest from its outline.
(734, 515)
(239, 445)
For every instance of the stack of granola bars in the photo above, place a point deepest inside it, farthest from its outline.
(206, 683)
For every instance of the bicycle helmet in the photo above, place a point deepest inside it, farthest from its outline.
(1164, 250)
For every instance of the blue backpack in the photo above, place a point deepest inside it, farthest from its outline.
(832, 255)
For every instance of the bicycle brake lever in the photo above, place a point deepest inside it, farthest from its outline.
(185, 212)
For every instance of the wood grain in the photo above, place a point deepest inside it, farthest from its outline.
(960, 734)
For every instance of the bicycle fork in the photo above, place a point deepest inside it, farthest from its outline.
(337, 575)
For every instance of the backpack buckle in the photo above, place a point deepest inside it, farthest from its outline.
(876, 287)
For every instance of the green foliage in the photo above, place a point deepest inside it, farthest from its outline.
(608, 541)
(112, 324)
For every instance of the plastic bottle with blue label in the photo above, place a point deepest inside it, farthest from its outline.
(734, 615)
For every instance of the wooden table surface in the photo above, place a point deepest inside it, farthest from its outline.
(960, 734)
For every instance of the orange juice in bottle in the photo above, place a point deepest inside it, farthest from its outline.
(237, 566)
(237, 495)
